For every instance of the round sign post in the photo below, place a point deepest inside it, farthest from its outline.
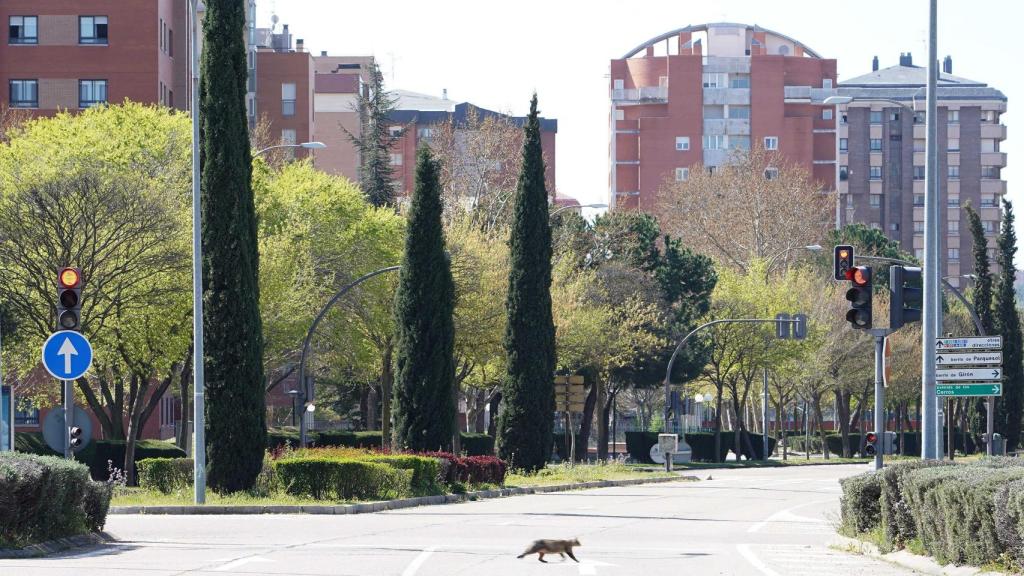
(67, 355)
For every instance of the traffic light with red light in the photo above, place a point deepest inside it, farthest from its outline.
(842, 261)
(69, 299)
(871, 444)
(905, 295)
(859, 295)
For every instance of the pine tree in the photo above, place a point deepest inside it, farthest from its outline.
(235, 409)
(425, 366)
(526, 418)
(1007, 321)
(375, 140)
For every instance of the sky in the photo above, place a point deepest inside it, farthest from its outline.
(496, 54)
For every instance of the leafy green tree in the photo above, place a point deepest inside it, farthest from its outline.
(425, 368)
(1007, 320)
(983, 276)
(233, 335)
(525, 426)
(373, 143)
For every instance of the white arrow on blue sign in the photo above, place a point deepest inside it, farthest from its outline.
(67, 355)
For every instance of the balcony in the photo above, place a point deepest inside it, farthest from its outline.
(719, 96)
(993, 159)
(993, 186)
(644, 95)
(997, 131)
(794, 94)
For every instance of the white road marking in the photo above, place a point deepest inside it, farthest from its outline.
(417, 562)
(781, 514)
(589, 567)
(749, 556)
(241, 562)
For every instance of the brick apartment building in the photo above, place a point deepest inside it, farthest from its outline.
(882, 158)
(692, 95)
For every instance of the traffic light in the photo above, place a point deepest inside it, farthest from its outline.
(859, 314)
(904, 301)
(871, 444)
(69, 299)
(842, 261)
(74, 436)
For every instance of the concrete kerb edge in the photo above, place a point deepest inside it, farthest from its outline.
(922, 564)
(54, 546)
(368, 507)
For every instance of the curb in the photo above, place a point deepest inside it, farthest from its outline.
(922, 564)
(369, 507)
(54, 546)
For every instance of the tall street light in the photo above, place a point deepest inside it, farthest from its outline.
(306, 145)
(198, 376)
(576, 207)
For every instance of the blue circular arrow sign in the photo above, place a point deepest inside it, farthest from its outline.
(67, 355)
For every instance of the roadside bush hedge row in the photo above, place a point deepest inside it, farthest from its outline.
(327, 478)
(969, 513)
(96, 454)
(472, 444)
(471, 469)
(166, 475)
(638, 444)
(43, 498)
(427, 473)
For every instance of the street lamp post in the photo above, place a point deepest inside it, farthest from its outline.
(575, 207)
(198, 376)
(306, 145)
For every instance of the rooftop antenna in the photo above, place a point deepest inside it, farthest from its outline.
(273, 22)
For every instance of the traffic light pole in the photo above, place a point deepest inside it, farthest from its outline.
(69, 416)
(879, 334)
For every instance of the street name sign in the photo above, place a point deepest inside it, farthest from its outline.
(964, 374)
(969, 359)
(969, 389)
(67, 355)
(970, 343)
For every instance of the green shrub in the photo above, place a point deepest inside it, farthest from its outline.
(44, 497)
(278, 438)
(477, 444)
(366, 439)
(96, 504)
(165, 474)
(897, 523)
(1008, 504)
(32, 443)
(427, 472)
(860, 502)
(336, 479)
(919, 490)
(969, 520)
(97, 454)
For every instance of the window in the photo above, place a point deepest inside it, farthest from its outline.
(919, 253)
(919, 117)
(23, 30)
(989, 145)
(988, 226)
(844, 174)
(953, 253)
(844, 144)
(714, 112)
(27, 416)
(682, 143)
(288, 137)
(771, 142)
(989, 116)
(990, 172)
(288, 99)
(620, 114)
(919, 145)
(953, 202)
(849, 202)
(876, 225)
(425, 133)
(826, 83)
(682, 174)
(826, 113)
(739, 112)
(714, 141)
(170, 43)
(990, 201)
(918, 172)
(875, 200)
(953, 145)
(875, 117)
(875, 172)
(954, 172)
(24, 93)
(91, 93)
(170, 98)
(395, 131)
(876, 144)
(918, 228)
(953, 116)
(894, 116)
(771, 173)
(396, 159)
(715, 80)
(92, 29)
(739, 142)
(739, 81)
(918, 199)
(953, 227)
(619, 84)
(894, 226)
(712, 170)
(163, 35)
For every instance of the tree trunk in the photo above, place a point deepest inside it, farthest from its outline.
(364, 408)
(843, 416)
(456, 428)
(184, 436)
(481, 401)
(587, 422)
(387, 378)
(492, 426)
(371, 407)
(602, 422)
(606, 412)
(821, 425)
(718, 425)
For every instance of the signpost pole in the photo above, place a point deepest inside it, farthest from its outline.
(764, 418)
(879, 399)
(69, 416)
(990, 425)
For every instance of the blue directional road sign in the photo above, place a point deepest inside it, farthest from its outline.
(67, 355)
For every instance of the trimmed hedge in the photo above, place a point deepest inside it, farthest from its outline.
(896, 520)
(427, 472)
(1009, 518)
(326, 478)
(165, 474)
(44, 498)
(348, 438)
(859, 504)
(471, 469)
(96, 454)
(477, 444)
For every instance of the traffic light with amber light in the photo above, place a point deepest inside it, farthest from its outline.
(905, 295)
(871, 444)
(859, 295)
(69, 299)
(842, 261)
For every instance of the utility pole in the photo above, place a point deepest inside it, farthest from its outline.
(931, 308)
(198, 376)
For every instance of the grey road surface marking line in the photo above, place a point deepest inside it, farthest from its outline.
(412, 568)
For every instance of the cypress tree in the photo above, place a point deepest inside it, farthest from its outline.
(375, 140)
(982, 301)
(526, 418)
(425, 338)
(233, 335)
(1007, 321)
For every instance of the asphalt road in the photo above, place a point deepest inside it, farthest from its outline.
(768, 522)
